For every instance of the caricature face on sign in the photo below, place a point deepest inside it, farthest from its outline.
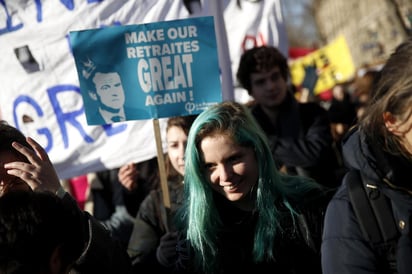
(110, 94)
(109, 90)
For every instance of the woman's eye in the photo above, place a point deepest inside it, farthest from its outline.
(209, 166)
(259, 82)
(235, 159)
(173, 145)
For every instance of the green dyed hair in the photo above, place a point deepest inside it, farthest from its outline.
(199, 214)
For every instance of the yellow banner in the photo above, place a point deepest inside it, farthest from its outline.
(333, 64)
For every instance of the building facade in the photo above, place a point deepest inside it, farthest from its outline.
(372, 28)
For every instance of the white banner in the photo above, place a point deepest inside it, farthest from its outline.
(40, 89)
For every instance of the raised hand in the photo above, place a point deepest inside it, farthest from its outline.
(39, 173)
(128, 175)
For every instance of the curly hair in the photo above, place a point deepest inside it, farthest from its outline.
(260, 59)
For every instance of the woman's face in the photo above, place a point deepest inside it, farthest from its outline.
(176, 145)
(232, 170)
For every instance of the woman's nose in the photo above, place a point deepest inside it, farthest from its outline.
(225, 173)
(182, 150)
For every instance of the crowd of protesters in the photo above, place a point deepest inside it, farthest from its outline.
(251, 184)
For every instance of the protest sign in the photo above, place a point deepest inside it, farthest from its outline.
(153, 70)
(333, 64)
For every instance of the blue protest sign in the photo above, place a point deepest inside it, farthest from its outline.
(153, 70)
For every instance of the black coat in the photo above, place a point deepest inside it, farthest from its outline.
(116, 206)
(344, 249)
(296, 248)
(301, 140)
(153, 220)
(102, 253)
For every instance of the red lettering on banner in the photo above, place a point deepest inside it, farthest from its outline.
(251, 41)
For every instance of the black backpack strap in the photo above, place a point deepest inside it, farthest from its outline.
(362, 207)
(372, 208)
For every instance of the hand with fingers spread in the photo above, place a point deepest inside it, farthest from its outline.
(38, 172)
(128, 175)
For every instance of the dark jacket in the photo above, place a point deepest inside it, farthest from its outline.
(295, 250)
(301, 140)
(115, 206)
(153, 220)
(102, 253)
(344, 249)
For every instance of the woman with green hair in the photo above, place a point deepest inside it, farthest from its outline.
(240, 213)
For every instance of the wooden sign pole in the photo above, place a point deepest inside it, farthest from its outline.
(161, 164)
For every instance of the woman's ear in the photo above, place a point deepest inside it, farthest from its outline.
(391, 123)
